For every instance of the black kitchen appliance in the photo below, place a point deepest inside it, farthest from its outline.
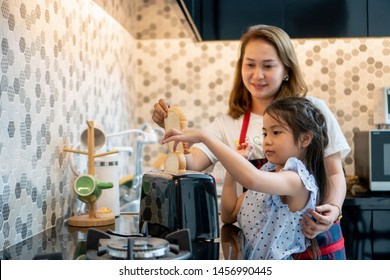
(170, 202)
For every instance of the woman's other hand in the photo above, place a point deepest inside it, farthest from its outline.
(324, 217)
(245, 149)
(160, 112)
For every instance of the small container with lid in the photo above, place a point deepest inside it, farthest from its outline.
(107, 170)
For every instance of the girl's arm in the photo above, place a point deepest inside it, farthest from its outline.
(230, 203)
(283, 183)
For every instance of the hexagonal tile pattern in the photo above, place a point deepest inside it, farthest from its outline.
(63, 62)
(339, 71)
(53, 79)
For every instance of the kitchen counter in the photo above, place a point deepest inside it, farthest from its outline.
(63, 239)
(364, 219)
(67, 242)
(366, 226)
(368, 200)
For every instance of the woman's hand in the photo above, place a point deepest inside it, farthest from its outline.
(160, 112)
(245, 149)
(324, 217)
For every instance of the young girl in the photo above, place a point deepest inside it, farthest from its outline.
(295, 136)
(267, 69)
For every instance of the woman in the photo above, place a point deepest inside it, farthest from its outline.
(268, 69)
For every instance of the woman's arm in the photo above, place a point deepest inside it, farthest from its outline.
(327, 213)
(230, 203)
(338, 147)
(336, 187)
(197, 160)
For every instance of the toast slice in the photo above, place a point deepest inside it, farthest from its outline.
(177, 120)
(175, 163)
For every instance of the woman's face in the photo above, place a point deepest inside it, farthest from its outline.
(262, 69)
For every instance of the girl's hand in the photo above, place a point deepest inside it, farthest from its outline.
(324, 217)
(187, 136)
(160, 112)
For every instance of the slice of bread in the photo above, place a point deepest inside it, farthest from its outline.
(175, 163)
(177, 120)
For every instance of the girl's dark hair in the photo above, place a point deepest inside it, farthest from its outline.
(300, 115)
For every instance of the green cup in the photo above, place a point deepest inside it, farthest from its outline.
(88, 188)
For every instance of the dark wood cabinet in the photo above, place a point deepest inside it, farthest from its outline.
(325, 18)
(378, 18)
(228, 19)
(366, 226)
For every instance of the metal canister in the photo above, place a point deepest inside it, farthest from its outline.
(107, 170)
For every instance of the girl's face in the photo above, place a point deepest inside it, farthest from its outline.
(278, 144)
(262, 70)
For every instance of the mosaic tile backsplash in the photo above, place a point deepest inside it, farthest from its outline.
(345, 73)
(63, 62)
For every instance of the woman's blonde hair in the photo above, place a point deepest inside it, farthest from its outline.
(240, 98)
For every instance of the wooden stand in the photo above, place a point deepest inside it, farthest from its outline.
(90, 220)
(87, 221)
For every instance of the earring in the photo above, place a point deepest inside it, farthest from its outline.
(285, 78)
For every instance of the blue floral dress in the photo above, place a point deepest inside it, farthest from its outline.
(269, 230)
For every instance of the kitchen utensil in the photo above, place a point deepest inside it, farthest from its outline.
(89, 189)
(99, 136)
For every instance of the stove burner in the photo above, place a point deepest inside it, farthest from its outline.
(143, 247)
(104, 246)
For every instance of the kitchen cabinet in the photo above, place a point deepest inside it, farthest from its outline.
(228, 19)
(325, 18)
(366, 226)
(378, 18)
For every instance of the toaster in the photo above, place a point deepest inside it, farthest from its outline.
(170, 202)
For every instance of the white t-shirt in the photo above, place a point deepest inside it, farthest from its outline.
(228, 131)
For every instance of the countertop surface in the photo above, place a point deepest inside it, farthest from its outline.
(64, 239)
(368, 200)
(69, 242)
